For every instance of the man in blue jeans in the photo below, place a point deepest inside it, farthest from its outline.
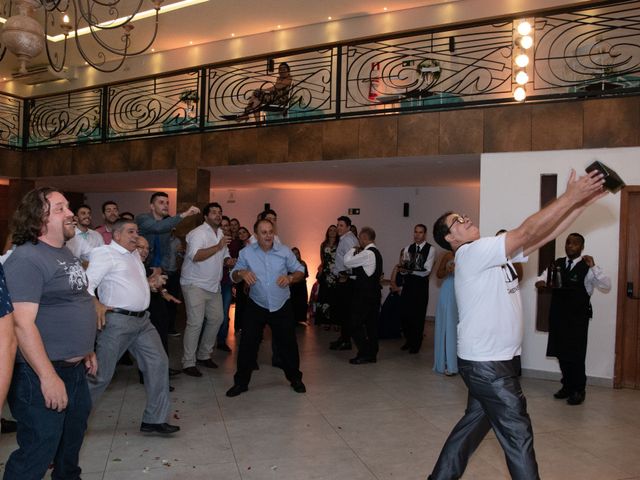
(490, 328)
(55, 324)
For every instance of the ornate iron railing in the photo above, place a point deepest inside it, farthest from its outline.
(577, 53)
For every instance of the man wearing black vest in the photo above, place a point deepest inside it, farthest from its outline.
(366, 265)
(415, 266)
(570, 314)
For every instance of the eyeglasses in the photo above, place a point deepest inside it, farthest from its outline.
(458, 219)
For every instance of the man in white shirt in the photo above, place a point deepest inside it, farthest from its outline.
(490, 328)
(341, 308)
(415, 266)
(200, 282)
(366, 265)
(118, 275)
(85, 239)
(570, 313)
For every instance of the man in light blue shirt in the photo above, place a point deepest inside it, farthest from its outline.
(264, 266)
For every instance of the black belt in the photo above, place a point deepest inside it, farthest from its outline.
(65, 364)
(129, 313)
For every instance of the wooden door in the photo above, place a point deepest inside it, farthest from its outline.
(627, 367)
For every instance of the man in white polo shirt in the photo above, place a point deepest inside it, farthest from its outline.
(490, 328)
(200, 282)
(85, 239)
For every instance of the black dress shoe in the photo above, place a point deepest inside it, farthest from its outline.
(8, 426)
(405, 347)
(576, 398)
(163, 428)
(298, 386)
(361, 360)
(236, 390)
(207, 363)
(192, 372)
(562, 393)
(171, 389)
(224, 347)
(345, 346)
(173, 372)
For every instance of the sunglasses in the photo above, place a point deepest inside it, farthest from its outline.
(458, 219)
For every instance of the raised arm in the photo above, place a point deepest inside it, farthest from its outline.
(549, 222)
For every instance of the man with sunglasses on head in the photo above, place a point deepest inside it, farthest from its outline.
(490, 327)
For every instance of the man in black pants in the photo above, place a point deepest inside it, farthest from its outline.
(366, 265)
(490, 328)
(344, 284)
(570, 314)
(264, 266)
(415, 267)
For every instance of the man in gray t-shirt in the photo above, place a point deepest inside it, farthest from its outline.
(55, 326)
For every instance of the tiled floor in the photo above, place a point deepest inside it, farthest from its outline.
(382, 421)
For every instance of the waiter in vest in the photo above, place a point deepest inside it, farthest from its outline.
(570, 313)
(366, 265)
(416, 262)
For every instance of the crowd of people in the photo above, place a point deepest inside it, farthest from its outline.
(76, 300)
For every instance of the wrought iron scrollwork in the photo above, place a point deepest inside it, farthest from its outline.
(10, 120)
(158, 105)
(230, 88)
(588, 48)
(67, 118)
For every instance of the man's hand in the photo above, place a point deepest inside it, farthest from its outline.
(224, 241)
(91, 364)
(588, 259)
(583, 188)
(283, 281)
(54, 392)
(230, 262)
(192, 210)
(541, 284)
(101, 313)
(168, 297)
(248, 276)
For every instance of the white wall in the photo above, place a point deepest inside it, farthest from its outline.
(304, 214)
(510, 191)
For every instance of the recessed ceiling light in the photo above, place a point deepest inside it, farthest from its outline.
(153, 49)
(328, 18)
(191, 43)
(385, 9)
(279, 26)
(233, 34)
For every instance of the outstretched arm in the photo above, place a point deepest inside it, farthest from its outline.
(549, 222)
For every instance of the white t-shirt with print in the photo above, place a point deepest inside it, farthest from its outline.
(488, 294)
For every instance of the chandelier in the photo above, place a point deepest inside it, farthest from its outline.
(36, 25)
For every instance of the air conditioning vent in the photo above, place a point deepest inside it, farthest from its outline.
(42, 74)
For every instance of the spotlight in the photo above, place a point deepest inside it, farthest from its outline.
(522, 78)
(522, 60)
(524, 28)
(519, 94)
(526, 42)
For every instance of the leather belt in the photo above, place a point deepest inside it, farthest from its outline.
(129, 313)
(65, 364)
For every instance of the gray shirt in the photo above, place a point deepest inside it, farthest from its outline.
(158, 234)
(53, 278)
(346, 243)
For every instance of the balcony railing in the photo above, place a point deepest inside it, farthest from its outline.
(576, 53)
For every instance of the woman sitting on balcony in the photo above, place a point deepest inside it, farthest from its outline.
(277, 94)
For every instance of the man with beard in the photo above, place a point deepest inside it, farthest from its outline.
(200, 282)
(55, 324)
(85, 239)
(156, 227)
(118, 275)
(110, 214)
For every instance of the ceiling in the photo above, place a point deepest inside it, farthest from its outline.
(215, 20)
(377, 172)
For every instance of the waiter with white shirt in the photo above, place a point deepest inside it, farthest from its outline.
(570, 314)
(366, 265)
(415, 266)
(85, 239)
(200, 281)
(118, 275)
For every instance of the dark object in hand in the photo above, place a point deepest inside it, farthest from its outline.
(612, 180)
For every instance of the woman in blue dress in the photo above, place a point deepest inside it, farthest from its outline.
(446, 335)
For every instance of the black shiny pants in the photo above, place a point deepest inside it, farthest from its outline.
(495, 401)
